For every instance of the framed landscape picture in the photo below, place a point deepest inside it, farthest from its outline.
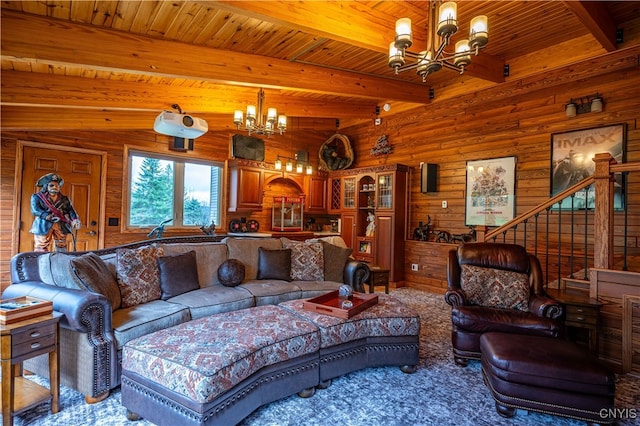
(490, 192)
(572, 160)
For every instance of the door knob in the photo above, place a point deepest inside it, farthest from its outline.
(92, 233)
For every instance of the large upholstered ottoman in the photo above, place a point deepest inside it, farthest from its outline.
(548, 375)
(387, 333)
(220, 368)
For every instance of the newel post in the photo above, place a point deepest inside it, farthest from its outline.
(603, 217)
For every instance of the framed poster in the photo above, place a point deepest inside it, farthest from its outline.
(490, 194)
(572, 160)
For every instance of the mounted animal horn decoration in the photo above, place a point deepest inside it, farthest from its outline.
(336, 153)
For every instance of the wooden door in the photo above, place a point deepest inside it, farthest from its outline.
(81, 172)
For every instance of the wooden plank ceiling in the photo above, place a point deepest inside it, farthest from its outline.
(117, 64)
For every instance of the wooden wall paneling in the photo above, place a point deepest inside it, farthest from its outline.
(528, 119)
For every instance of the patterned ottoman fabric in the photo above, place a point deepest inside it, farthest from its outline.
(204, 358)
(389, 317)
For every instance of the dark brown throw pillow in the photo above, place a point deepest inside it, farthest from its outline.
(274, 264)
(96, 277)
(178, 274)
(335, 258)
(231, 272)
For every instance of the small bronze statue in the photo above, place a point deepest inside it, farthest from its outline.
(209, 230)
(158, 230)
(465, 238)
(422, 232)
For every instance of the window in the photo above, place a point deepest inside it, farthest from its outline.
(183, 192)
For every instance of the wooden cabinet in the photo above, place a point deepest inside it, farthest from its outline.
(21, 341)
(316, 194)
(379, 193)
(246, 186)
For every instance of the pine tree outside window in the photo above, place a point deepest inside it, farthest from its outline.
(185, 192)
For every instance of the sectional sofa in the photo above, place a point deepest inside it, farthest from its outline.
(112, 296)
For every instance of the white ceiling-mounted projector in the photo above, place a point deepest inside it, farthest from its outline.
(180, 125)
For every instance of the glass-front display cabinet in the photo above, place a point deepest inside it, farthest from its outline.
(385, 191)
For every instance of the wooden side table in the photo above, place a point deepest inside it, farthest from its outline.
(580, 311)
(21, 341)
(378, 276)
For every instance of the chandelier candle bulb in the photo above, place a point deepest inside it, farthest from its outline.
(282, 122)
(448, 22)
(462, 60)
(272, 115)
(251, 113)
(288, 166)
(479, 32)
(309, 169)
(404, 38)
(298, 168)
(396, 59)
(278, 164)
(237, 117)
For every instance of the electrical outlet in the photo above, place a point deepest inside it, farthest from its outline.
(444, 204)
(414, 266)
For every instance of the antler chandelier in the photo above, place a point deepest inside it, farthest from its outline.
(257, 123)
(433, 59)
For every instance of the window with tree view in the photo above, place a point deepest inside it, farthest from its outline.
(163, 188)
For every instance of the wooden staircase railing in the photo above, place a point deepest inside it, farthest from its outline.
(597, 245)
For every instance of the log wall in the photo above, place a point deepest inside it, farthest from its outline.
(516, 118)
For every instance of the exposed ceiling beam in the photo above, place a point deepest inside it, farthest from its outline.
(21, 88)
(43, 118)
(348, 22)
(595, 16)
(63, 43)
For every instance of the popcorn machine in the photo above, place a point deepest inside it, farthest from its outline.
(287, 213)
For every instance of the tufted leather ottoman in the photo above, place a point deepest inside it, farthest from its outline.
(548, 375)
(384, 334)
(220, 368)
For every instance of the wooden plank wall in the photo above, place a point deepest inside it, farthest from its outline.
(514, 119)
(212, 146)
(508, 121)
(612, 287)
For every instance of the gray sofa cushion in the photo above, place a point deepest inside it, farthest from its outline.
(55, 269)
(274, 264)
(214, 300)
(97, 277)
(178, 274)
(246, 250)
(138, 320)
(316, 288)
(271, 292)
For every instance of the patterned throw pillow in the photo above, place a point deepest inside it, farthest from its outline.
(307, 260)
(138, 274)
(495, 287)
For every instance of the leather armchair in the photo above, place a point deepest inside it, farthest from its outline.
(470, 320)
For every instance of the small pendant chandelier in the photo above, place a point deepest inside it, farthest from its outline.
(258, 123)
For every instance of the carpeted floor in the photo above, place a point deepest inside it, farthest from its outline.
(438, 393)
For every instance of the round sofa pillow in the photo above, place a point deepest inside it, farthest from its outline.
(231, 272)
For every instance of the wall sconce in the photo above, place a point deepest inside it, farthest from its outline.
(589, 103)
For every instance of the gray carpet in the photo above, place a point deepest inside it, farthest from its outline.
(438, 393)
